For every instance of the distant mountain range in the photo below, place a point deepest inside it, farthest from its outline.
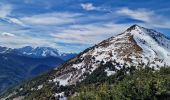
(119, 55)
(38, 52)
(20, 64)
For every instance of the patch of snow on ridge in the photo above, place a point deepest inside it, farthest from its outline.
(121, 51)
(40, 87)
(63, 79)
(61, 96)
(109, 73)
(151, 48)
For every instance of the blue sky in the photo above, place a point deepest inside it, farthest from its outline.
(73, 25)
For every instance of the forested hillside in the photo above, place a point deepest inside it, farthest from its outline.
(142, 84)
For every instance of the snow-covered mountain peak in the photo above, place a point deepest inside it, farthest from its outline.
(148, 44)
(137, 30)
(134, 27)
(136, 46)
(38, 51)
(4, 50)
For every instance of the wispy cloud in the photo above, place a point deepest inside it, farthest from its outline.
(88, 34)
(5, 14)
(92, 7)
(88, 6)
(51, 18)
(147, 16)
(5, 10)
(14, 41)
(7, 34)
(14, 21)
(67, 27)
(139, 14)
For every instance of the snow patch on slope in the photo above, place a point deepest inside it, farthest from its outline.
(151, 48)
(136, 46)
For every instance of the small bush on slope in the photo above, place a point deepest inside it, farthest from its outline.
(143, 84)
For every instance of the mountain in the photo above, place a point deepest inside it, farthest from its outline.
(136, 46)
(39, 52)
(18, 65)
(5, 50)
(120, 55)
(16, 68)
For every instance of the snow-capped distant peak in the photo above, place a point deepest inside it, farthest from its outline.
(39, 52)
(5, 50)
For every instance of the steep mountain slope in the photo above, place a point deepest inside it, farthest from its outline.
(122, 53)
(5, 50)
(136, 46)
(15, 68)
(23, 63)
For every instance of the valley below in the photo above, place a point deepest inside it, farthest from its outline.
(17, 67)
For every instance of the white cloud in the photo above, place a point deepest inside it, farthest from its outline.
(93, 28)
(20, 41)
(91, 6)
(7, 34)
(88, 34)
(88, 6)
(54, 18)
(51, 19)
(15, 21)
(5, 10)
(147, 16)
(139, 14)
